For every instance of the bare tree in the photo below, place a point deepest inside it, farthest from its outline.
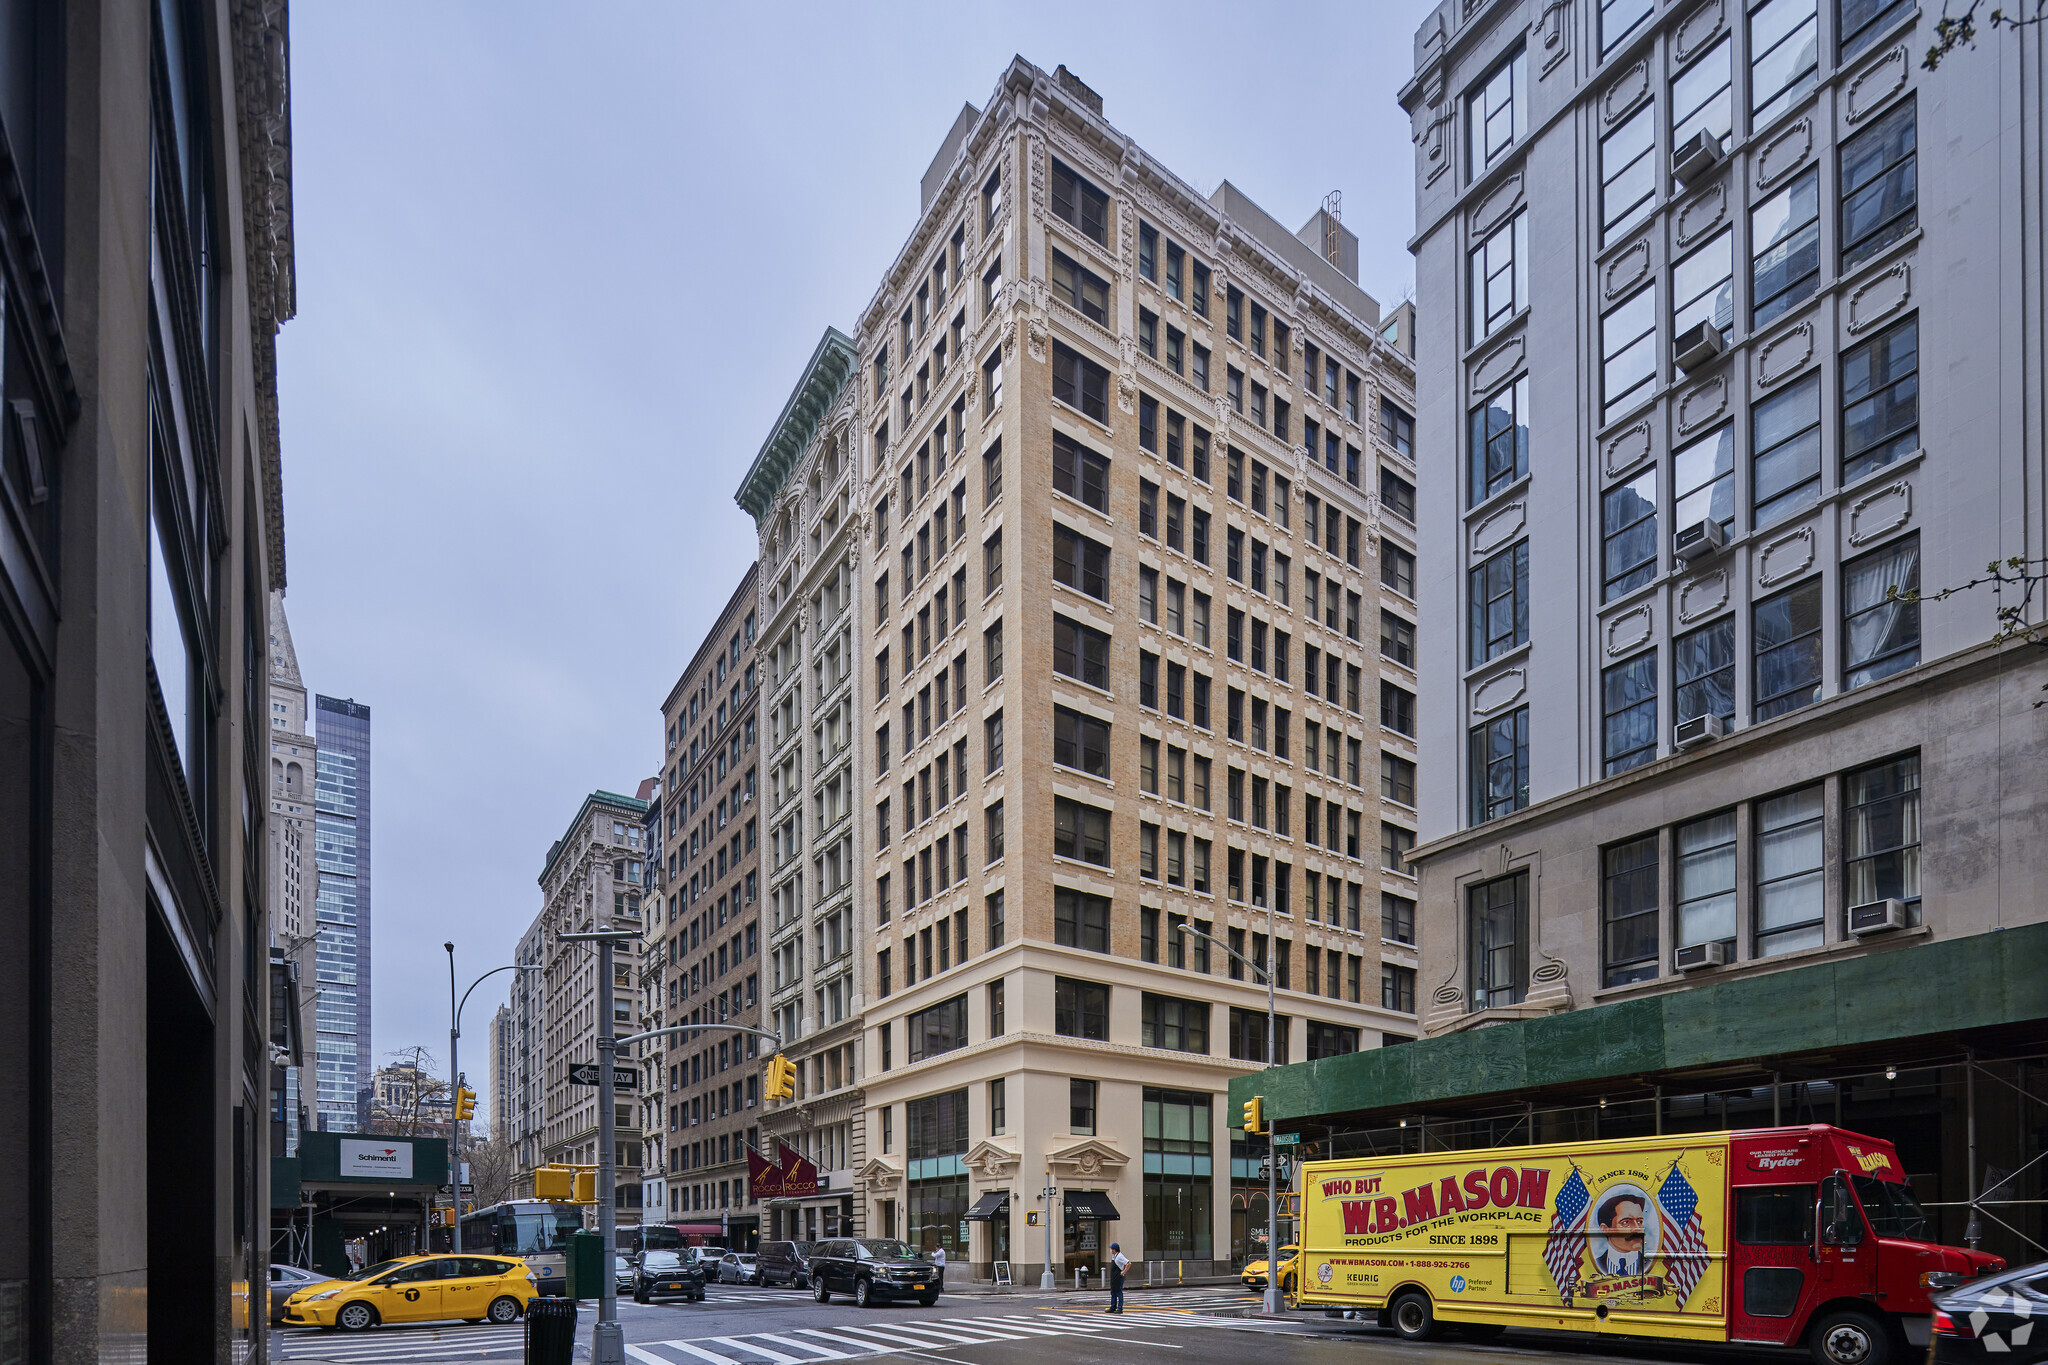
(490, 1170)
(424, 1086)
(1952, 31)
(2017, 583)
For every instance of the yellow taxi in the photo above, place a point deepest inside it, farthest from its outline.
(1254, 1276)
(417, 1289)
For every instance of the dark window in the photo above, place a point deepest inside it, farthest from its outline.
(1080, 831)
(1787, 645)
(1335, 1040)
(1397, 568)
(1880, 619)
(1882, 809)
(1080, 652)
(1397, 639)
(1080, 562)
(1785, 436)
(942, 1028)
(1397, 495)
(1779, 1215)
(1080, 203)
(1248, 1027)
(1629, 705)
(1629, 534)
(1074, 284)
(1862, 22)
(1080, 383)
(1499, 937)
(1630, 910)
(1500, 765)
(1397, 916)
(1881, 400)
(1080, 1106)
(1397, 429)
(1080, 472)
(1784, 236)
(1080, 920)
(1397, 988)
(1397, 779)
(1178, 1025)
(1499, 592)
(1880, 185)
(1784, 53)
(1080, 741)
(1080, 1008)
(1500, 440)
(1703, 670)
(1397, 709)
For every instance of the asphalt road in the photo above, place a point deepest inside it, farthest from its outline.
(744, 1326)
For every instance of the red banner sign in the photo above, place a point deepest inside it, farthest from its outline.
(799, 1177)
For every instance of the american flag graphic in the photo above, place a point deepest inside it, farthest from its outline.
(1685, 1244)
(1564, 1251)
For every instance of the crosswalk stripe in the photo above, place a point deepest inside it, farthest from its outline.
(714, 1357)
(1073, 1323)
(1004, 1332)
(640, 1353)
(775, 1357)
(823, 1352)
(891, 1340)
(1008, 1324)
(371, 1352)
(865, 1347)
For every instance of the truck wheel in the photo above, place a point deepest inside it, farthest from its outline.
(1415, 1320)
(1849, 1337)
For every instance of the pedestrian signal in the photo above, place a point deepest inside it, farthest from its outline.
(586, 1187)
(554, 1182)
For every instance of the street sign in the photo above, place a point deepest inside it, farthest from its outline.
(623, 1077)
(1284, 1139)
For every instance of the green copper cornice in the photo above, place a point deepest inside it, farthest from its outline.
(830, 367)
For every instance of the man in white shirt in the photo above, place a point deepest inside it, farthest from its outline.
(1118, 1264)
(939, 1265)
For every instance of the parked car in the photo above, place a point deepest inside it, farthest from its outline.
(1254, 1275)
(739, 1267)
(417, 1289)
(668, 1275)
(1994, 1318)
(872, 1270)
(786, 1263)
(285, 1281)
(622, 1274)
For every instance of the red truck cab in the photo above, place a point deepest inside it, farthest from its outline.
(1830, 1249)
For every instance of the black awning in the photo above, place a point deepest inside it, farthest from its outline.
(1090, 1204)
(988, 1206)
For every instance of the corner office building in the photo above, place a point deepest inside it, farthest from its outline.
(1749, 334)
(345, 1065)
(1137, 641)
(145, 158)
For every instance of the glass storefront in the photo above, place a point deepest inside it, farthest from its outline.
(1179, 1180)
(935, 1211)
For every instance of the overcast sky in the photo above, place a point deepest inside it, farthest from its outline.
(558, 269)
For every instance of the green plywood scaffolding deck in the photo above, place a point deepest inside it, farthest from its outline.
(1945, 987)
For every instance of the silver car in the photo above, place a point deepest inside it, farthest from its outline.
(287, 1280)
(739, 1267)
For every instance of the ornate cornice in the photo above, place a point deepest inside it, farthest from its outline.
(263, 122)
(831, 365)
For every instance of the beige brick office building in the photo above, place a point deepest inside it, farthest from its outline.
(1135, 640)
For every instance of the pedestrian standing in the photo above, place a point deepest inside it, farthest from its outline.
(939, 1266)
(1118, 1263)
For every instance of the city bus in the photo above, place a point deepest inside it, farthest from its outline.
(534, 1230)
(1774, 1236)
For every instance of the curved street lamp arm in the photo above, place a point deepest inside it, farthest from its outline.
(508, 967)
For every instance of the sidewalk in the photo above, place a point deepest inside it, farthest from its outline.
(1095, 1286)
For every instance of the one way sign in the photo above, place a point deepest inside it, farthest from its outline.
(623, 1077)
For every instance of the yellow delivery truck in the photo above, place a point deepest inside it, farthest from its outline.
(1778, 1236)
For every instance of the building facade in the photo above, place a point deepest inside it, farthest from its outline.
(294, 872)
(1138, 560)
(653, 1155)
(803, 491)
(343, 1066)
(594, 878)
(504, 1084)
(704, 1089)
(1748, 823)
(148, 259)
(527, 1114)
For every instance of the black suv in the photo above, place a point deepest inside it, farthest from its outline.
(873, 1270)
(668, 1275)
(786, 1263)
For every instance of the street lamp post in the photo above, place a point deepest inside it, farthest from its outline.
(608, 1339)
(1048, 1280)
(1272, 1298)
(455, 1079)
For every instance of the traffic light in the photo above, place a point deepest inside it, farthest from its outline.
(555, 1183)
(447, 1217)
(586, 1187)
(1255, 1115)
(781, 1078)
(465, 1103)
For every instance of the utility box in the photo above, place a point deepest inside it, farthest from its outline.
(587, 1265)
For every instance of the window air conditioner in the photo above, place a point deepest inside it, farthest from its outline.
(1698, 540)
(1696, 156)
(1874, 917)
(1697, 955)
(1698, 730)
(1697, 345)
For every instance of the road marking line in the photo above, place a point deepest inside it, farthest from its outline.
(955, 1334)
(714, 1357)
(930, 1355)
(894, 1342)
(650, 1357)
(824, 1352)
(866, 1347)
(1008, 1326)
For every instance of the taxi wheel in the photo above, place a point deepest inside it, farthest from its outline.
(504, 1310)
(1413, 1317)
(354, 1317)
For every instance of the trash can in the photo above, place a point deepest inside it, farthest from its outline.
(551, 1330)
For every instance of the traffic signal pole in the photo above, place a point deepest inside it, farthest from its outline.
(455, 1119)
(608, 1338)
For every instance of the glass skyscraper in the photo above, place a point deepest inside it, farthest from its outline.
(342, 909)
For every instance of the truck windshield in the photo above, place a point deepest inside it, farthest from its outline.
(1890, 1207)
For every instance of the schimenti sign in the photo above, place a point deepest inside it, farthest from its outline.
(376, 1158)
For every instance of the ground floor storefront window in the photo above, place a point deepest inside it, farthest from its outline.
(935, 1209)
(1179, 1179)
